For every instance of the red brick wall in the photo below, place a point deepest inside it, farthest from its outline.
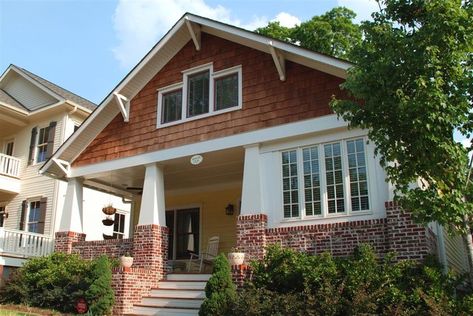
(64, 240)
(112, 248)
(266, 102)
(251, 235)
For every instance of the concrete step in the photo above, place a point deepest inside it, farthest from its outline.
(141, 309)
(177, 293)
(182, 285)
(172, 302)
(188, 277)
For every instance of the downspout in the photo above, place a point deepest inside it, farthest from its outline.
(441, 248)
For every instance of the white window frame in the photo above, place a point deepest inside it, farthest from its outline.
(183, 85)
(37, 144)
(28, 210)
(323, 186)
(121, 213)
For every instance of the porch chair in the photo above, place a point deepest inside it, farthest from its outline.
(206, 257)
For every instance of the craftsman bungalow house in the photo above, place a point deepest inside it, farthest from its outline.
(223, 132)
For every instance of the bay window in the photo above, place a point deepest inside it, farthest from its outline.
(325, 180)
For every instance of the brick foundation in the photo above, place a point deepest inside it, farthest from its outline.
(240, 273)
(64, 241)
(112, 248)
(251, 235)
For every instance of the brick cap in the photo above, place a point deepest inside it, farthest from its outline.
(69, 234)
(240, 267)
(261, 217)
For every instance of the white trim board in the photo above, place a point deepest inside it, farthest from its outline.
(315, 125)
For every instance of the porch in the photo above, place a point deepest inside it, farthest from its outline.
(17, 244)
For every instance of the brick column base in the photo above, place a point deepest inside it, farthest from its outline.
(150, 249)
(251, 235)
(240, 273)
(406, 238)
(64, 241)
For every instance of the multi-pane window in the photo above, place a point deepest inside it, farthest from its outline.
(312, 193)
(119, 226)
(333, 176)
(42, 146)
(198, 93)
(226, 92)
(201, 93)
(290, 184)
(171, 106)
(357, 173)
(34, 216)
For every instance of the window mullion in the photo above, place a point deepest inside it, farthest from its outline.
(300, 179)
(323, 182)
(346, 177)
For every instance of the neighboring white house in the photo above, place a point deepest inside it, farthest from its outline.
(36, 117)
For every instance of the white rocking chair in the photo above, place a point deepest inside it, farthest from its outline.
(206, 257)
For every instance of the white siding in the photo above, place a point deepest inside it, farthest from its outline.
(456, 253)
(26, 92)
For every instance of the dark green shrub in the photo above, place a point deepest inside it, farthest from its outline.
(99, 295)
(291, 283)
(57, 281)
(220, 291)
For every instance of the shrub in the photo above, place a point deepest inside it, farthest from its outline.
(290, 283)
(220, 292)
(99, 295)
(57, 281)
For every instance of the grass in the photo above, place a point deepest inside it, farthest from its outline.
(22, 310)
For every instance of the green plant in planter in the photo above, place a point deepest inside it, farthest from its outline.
(220, 292)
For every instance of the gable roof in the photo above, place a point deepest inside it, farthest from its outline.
(47, 86)
(186, 29)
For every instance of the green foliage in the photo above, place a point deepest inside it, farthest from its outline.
(220, 290)
(58, 280)
(333, 33)
(414, 74)
(292, 283)
(99, 295)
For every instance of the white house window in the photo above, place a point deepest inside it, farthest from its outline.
(334, 180)
(119, 226)
(172, 106)
(42, 146)
(198, 86)
(34, 216)
(201, 93)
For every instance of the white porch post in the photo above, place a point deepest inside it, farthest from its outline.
(72, 212)
(153, 206)
(251, 191)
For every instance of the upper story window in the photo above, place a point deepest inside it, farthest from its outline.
(325, 180)
(42, 145)
(119, 226)
(34, 217)
(201, 93)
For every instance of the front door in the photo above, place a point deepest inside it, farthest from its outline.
(184, 237)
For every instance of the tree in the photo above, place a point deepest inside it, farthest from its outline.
(332, 33)
(414, 74)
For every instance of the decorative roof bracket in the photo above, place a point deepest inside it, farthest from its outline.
(279, 61)
(194, 30)
(123, 105)
(63, 165)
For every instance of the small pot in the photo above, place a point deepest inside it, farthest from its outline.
(106, 237)
(109, 210)
(236, 258)
(108, 222)
(126, 262)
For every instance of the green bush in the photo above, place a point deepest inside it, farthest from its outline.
(58, 280)
(220, 291)
(290, 283)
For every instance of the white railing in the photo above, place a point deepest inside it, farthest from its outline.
(24, 244)
(9, 166)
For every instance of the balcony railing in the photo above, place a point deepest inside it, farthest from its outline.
(25, 244)
(9, 166)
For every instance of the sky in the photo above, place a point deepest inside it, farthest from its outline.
(88, 46)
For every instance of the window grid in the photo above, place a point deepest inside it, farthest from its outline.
(226, 91)
(119, 226)
(334, 178)
(312, 186)
(198, 86)
(33, 216)
(171, 106)
(42, 146)
(358, 175)
(290, 184)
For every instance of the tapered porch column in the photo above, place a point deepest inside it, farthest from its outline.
(251, 224)
(150, 243)
(71, 222)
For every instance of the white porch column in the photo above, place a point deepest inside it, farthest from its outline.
(72, 212)
(153, 206)
(251, 191)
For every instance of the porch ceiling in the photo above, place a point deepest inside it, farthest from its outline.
(225, 166)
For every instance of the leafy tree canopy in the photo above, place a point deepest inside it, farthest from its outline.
(333, 33)
(414, 74)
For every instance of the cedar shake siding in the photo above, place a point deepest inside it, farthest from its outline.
(267, 102)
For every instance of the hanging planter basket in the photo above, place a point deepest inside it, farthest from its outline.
(106, 237)
(108, 222)
(109, 210)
